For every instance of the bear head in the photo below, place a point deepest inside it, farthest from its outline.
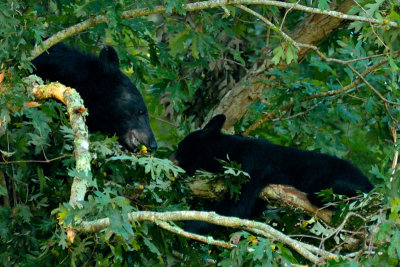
(200, 149)
(122, 110)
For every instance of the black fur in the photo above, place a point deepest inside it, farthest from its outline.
(115, 105)
(266, 163)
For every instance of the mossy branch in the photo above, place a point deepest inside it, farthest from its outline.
(310, 252)
(77, 114)
(93, 21)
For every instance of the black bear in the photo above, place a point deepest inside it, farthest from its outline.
(115, 105)
(266, 163)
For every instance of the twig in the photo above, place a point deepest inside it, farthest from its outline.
(287, 12)
(396, 153)
(309, 247)
(271, 115)
(372, 26)
(371, 87)
(298, 114)
(162, 120)
(327, 59)
(270, 24)
(365, 58)
(341, 226)
(14, 189)
(234, 62)
(35, 161)
(395, 121)
(91, 254)
(268, 36)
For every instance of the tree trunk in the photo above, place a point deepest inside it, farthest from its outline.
(312, 30)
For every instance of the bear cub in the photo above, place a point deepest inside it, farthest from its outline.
(266, 163)
(115, 105)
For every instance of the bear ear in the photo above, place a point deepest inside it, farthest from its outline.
(215, 124)
(109, 59)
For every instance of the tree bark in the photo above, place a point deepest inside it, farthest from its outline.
(312, 30)
(284, 195)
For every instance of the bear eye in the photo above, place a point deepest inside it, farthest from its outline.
(141, 112)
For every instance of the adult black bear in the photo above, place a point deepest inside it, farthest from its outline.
(266, 163)
(115, 105)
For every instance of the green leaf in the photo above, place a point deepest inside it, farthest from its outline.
(291, 54)
(7, 154)
(323, 4)
(177, 43)
(175, 5)
(119, 224)
(393, 64)
(278, 55)
(151, 246)
(23, 212)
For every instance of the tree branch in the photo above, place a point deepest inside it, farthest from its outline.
(270, 116)
(207, 240)
(77, 113)
(312, 30)
(286, 195)
(211, 217)
(63, 34)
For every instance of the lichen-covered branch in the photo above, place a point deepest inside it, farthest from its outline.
(77, 113)
(212, 217)
(208, 240)
(93, 21)
(286, 195)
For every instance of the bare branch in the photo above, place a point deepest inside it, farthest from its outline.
(35, 161)
(269, 24)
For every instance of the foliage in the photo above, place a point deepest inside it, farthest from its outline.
(232, 177)
(184, 62)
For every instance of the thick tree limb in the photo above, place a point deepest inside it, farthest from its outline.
(77, 113)
(286, 195)
(63, 34)
(306, 250)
